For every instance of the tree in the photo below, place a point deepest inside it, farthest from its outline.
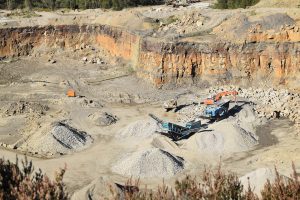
(222, 4)
(10, 4)
(53, 4)
(28, 4)
(232, 4)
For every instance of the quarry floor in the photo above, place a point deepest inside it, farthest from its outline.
(114, 89)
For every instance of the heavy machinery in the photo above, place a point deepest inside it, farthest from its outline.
(175, 131)
(217, 108)
(218, 97)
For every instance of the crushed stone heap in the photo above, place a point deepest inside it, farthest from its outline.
(140, 129)
(62, 139)
(149, 163)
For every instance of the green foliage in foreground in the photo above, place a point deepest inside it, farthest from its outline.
(73, 4)
(22, 182)
(214, 185)
(233, 4)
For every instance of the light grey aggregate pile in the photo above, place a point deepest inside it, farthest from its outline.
(61, 139)
(149, 163)
(140, 129)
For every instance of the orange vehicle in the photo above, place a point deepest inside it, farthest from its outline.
(218, 97)
(71, 93)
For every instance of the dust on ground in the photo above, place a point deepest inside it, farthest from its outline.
(107, 125)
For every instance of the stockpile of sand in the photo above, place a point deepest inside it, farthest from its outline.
(258, 178)
(247, 119)
(140, 129)
(97, 189)
(149, 163)
(62, 139)
(221, 139)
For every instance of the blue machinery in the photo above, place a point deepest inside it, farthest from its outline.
(175, 131)
(217, 110)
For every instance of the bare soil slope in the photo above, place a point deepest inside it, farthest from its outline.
(278, 3)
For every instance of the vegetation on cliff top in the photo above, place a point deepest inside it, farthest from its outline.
(233, 4)
(73, 4)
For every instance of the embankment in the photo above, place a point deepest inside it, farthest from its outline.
(255, 61)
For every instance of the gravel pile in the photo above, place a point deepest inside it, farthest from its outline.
(247, 119)
(104, 119)
(258, 178)
(61, 139)
(149, 163)
(191, 112)
(223, 138)
(140, 129)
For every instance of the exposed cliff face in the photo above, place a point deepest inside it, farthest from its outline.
(286, 34)
(257, 61)
(161, 63)
(21, 41)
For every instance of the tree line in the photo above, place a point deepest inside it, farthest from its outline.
(232, 4)
(73, 4)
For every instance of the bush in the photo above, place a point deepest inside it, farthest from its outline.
(283, 189)
(233, 4)
(75, 4)
(214, 185)
(23, 183)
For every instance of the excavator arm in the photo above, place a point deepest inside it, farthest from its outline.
(218, 97)
(221, 94)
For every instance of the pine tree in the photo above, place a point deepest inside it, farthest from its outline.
(222, 4)
(28, 4)
(10, 4)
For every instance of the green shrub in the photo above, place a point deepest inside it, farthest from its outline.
(233, 4)
(282, 189)
(74, 4)
(213, 185)
(24, 183)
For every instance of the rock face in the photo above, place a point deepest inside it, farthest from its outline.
(21, 41)
(222, 62)
(263, 57)
(286, 34)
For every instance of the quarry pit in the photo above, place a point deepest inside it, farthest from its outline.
(123, 65)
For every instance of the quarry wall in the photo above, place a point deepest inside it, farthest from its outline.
(256, 60)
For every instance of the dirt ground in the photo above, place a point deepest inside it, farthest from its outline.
(35, 80)
(33, 100)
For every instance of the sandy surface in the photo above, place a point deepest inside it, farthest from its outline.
(242, 142)
(107, 126)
